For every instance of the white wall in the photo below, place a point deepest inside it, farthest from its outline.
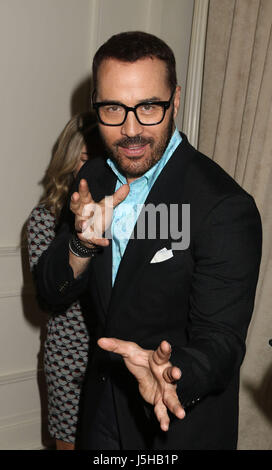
(44, 56)
(46, 49)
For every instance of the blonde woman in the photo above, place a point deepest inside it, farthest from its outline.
(67, 342)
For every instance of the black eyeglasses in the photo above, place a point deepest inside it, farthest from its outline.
(148, 113)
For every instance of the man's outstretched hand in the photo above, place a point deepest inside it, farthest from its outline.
(156, 376)
(93, 218)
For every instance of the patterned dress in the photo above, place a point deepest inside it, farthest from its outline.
(67, 342)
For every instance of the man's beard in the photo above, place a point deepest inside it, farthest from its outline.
(157, 151)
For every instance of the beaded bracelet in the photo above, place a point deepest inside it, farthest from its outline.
(81, 251)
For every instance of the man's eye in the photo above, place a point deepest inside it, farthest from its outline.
(113, 109)
(148, 108)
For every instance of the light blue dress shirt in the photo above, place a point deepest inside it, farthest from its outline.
(126, 213)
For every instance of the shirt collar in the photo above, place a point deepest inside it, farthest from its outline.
(153, 172)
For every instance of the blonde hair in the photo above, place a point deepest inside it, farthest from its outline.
(60, 172)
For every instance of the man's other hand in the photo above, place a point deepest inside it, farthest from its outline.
(156, 376)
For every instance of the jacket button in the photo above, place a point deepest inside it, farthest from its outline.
(103, 378)
(63, 287)
(196, 400)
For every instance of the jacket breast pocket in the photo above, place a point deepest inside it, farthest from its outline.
(161, 284)
(175, 263)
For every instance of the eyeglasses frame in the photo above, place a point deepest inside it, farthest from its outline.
(165, 105)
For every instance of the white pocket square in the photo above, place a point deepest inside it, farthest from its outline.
(162, 255)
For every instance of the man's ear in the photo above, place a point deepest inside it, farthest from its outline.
(177, 100)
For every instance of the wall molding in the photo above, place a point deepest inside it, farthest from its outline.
(10, 251)
(94, 18)
(24, 428)
(195, 71)
(10, 293)
(18, 377)
(19, 292)
(13, 420)
(12, 258)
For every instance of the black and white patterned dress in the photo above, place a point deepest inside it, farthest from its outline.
(67, 342)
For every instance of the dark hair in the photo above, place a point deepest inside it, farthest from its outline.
(134, 45)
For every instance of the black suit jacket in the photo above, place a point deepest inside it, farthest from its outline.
(201, 300)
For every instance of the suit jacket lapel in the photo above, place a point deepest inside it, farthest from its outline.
(102, 263)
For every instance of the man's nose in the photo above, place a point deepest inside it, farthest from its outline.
(131, 126)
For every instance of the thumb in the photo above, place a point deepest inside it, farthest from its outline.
(118, 346)
(120, 195)
(162, 354)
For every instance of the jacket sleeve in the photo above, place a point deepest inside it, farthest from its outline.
(54, 275)
(227, 251)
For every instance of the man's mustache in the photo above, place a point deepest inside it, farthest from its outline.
(133, 141)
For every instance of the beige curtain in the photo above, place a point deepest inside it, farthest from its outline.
(236, 131)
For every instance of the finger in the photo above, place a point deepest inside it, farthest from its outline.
(171, 374)
(120, 194)
(75, 202)
(171, 401)
(79, 223)
(162, 353)
(118, 346)
(160, 411)
(84, 192)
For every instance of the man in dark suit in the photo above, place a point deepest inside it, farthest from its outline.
(170, 310)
